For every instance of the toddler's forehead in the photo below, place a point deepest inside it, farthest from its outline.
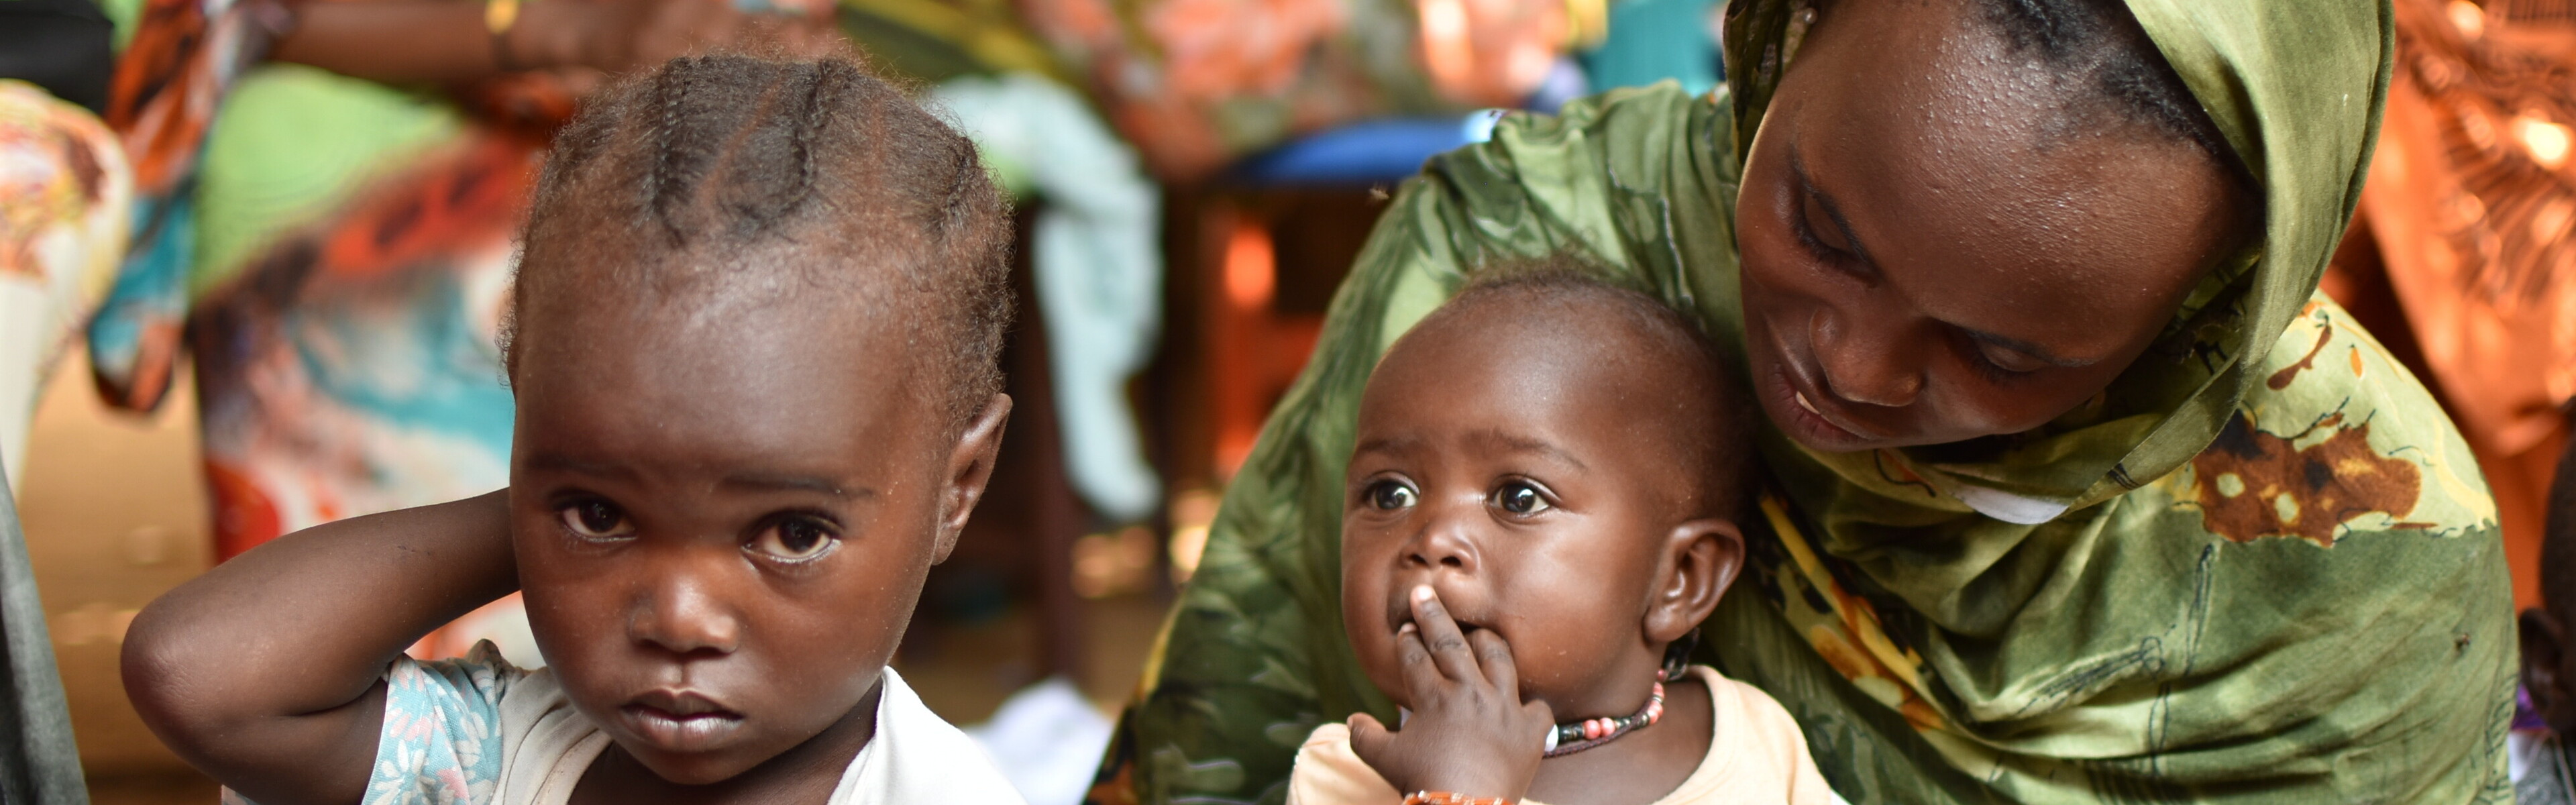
(705, 300)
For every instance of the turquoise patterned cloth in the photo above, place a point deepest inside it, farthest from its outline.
(441, 743)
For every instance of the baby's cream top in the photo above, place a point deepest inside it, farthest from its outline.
(1755, 755)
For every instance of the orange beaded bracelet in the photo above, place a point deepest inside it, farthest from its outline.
(1450, 798)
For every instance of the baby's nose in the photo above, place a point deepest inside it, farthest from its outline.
(1441, 546)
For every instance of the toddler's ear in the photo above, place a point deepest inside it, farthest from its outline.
(970, 467)
(1701, 558)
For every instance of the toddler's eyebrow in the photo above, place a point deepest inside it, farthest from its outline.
(798, 483)
(559, 463)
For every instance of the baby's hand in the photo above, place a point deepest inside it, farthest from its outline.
(1470, 733)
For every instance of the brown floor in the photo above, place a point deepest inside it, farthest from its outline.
(115, 514)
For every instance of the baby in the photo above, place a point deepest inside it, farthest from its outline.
(755, 327)
(1540, 510)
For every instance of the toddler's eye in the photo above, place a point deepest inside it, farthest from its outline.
(1520, 498)
(796, 539)
(1390, 495)
(597, 519)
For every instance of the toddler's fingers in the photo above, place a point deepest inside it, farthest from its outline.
(1495, 655)
(1440, 634)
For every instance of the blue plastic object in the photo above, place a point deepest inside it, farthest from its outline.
(1369, 152)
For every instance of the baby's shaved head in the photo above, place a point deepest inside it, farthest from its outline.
(1684, 388)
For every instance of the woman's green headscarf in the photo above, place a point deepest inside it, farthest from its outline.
(2262, 567)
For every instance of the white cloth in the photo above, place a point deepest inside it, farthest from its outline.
(1097, 264)
(1047, 738)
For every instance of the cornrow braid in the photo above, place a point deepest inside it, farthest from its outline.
(750, 174)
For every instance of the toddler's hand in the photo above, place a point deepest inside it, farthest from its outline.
(1469, 733)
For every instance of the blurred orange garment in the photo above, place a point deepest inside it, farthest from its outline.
(2464, 238)
(1196, 84)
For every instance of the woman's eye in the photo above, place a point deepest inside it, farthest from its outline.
(1819, 228)
(597, 519)
(1390, 495)
(2001, 364)
(796, 539)
(1520, 498)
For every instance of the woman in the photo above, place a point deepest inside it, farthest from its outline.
(2085, 494)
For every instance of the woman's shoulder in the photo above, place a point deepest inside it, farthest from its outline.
(2338, 439)
(1648, 139)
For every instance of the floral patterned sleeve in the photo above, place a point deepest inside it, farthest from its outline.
(441, 743)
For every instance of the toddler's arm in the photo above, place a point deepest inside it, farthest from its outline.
(267, 671)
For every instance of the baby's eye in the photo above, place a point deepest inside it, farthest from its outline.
(597, 519)
(1518, 497)
(796, 539)
(1390, 495)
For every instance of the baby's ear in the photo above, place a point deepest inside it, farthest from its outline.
(1701, 558)
(970, 467)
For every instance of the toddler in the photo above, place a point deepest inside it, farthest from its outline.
(753, 352)
(1540, 510)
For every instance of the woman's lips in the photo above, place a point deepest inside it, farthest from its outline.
(1809, 419)
(680, 721)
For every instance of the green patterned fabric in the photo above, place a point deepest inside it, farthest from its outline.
(2262, 567)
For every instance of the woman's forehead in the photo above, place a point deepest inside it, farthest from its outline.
(1976, 203)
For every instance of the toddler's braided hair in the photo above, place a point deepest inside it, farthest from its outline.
(795, 180)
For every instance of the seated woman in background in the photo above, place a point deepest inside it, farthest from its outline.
(2084, 494)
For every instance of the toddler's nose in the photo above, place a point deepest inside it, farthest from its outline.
(679, 614)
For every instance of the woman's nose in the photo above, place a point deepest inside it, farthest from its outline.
(1867, 356)
(682, 614)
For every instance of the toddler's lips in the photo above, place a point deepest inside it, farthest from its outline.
(680, 721)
